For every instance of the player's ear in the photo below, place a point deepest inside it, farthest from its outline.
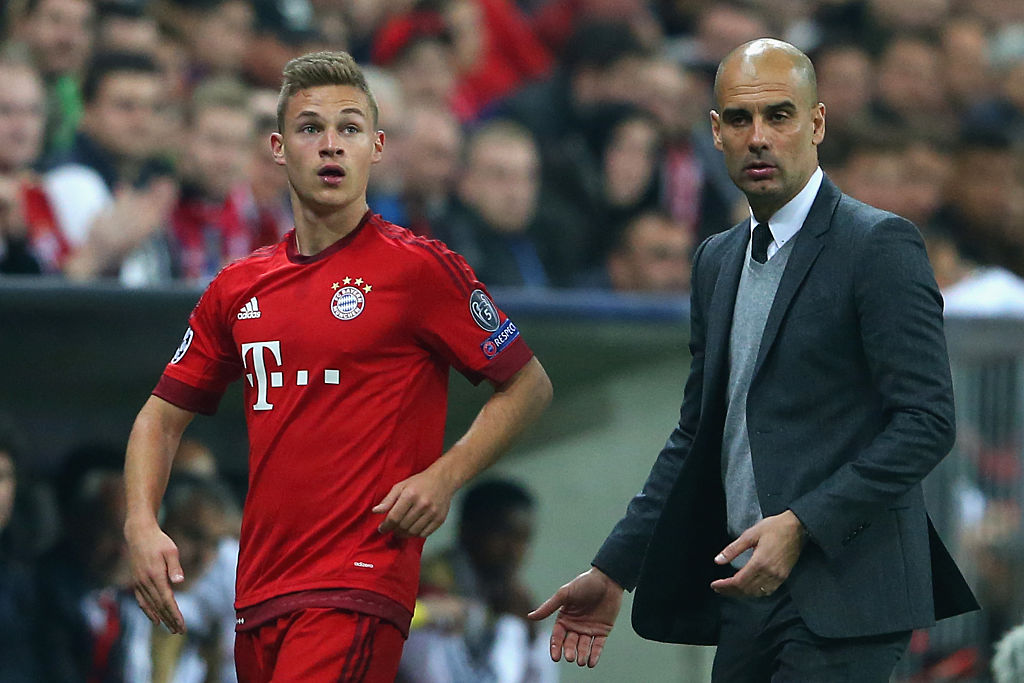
(378, 146)
(277, 148)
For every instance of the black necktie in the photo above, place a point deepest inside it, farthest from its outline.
(759, 242)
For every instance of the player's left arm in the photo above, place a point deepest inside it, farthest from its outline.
(417, 506)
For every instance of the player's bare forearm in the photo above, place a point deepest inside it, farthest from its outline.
(152, 444)
(154, 557)
(417, 506)
(514, 406)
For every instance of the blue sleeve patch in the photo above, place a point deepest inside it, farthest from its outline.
(500, 340)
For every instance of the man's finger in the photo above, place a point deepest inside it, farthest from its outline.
(398, 511)
(557, 640)
(146, 608)
(549, 606)
(596, 649)
(733, 550)
(389, 500)
(583, 649)
(174, 571)
(570, 646)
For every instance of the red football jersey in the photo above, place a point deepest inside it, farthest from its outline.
(345, 357)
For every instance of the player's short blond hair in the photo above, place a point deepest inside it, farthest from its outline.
(322, 68)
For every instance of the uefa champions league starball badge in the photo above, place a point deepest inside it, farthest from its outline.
(349, 297)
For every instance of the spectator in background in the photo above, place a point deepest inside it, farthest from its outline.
(984, 208)
(82, 586)
(652, 255)
(488, 43)
(626, 148)
(218, 34)
(428, 159)
(124, 26)
(695, 189)
(385, 190)
(507, 233)
(846, 80)
(215, 219)
(268, 183)
(59, 35)
(199, 514)
(912, 96)
(31, 241)
(489, 638)
(19, 610)
(110, 194)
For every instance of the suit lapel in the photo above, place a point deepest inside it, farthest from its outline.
(723, 300)
(809, 242)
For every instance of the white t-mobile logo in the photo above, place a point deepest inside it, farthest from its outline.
(259, 367)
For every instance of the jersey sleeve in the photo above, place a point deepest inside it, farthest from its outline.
(205, 362)
(459, 320)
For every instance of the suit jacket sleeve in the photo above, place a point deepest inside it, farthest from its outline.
(899, 311)
(622, 553)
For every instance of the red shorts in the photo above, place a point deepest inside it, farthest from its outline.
(323, 644)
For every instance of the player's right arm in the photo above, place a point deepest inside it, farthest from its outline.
(152, 444)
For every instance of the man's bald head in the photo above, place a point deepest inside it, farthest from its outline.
(749, 57)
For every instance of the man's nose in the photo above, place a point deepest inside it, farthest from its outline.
(758, 136)
(331, 143)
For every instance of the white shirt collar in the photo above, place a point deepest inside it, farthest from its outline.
(787, 221)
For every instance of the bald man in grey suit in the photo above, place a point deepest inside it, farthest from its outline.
(784, 519)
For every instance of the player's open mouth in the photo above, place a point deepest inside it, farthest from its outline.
(331, 174)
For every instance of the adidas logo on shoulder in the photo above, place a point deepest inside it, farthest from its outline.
(251, 309)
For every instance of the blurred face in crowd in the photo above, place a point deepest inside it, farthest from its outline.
(327, 145)
(721, 28)
(60, 35)
(223, 35)
(8, 484)
(124, 116)
(430, 152)
(965, 59)
(907, 17)
(502, 180)
(22, 117)
(986, 188)
(845, 81)
(128, 34)
(221, 140)
(910, 77)
(427, 72)
(196, 528)
(500, 547)
(631, 160)
(672, 96)
(654, 257)
(768, 123)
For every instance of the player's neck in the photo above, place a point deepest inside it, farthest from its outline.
(316, 231)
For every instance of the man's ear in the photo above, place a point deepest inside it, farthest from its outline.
(716, 129)
(277, 148)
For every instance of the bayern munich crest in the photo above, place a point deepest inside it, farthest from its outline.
(350, 300)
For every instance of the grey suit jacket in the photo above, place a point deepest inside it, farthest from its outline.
(850, 406)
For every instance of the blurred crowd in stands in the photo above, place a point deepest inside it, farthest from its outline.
(554, 143)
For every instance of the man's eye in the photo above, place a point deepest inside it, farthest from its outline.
(308, 128)
(351, 129)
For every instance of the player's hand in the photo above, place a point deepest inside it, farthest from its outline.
(416, 506)
(154, 567)
(587, 607)
(777, 542)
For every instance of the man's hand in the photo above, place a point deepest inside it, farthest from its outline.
(416, 506)
(155, 566)
(587, 607)
(777, 542)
